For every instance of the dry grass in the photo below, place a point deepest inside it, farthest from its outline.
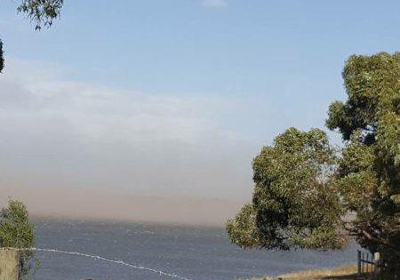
(347, 272)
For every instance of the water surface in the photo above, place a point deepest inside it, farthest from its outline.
(198, 253)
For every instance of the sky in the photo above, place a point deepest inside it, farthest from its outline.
(168, 101)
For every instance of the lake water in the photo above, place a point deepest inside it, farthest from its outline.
(197, 253)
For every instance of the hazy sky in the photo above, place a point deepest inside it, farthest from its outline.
(171, 98)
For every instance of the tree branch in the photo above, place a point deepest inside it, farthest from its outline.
(379, 241)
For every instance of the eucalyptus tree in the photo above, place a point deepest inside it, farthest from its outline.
(308, 195)
(368, 178)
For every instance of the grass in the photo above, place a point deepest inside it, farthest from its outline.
(348, 272)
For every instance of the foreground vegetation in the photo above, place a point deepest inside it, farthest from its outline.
(344, 273)
(309, 194)
(16, 231)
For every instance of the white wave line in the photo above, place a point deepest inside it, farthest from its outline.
(120, 262)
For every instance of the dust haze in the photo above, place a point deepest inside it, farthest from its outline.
(80, 150)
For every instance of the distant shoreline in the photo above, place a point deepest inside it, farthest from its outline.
(110, 205)
(42, 218)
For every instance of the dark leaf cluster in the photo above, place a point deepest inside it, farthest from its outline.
(41, 12)
(1, 56)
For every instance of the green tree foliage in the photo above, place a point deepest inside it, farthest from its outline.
(294, 201)
(243, 230)
(16, 231)
(41, 12)
(369, 170)
(1, 57)
(308, 196)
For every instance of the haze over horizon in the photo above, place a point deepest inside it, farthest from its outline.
(160, 120)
